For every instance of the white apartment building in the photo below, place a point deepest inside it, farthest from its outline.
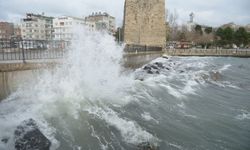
(90, 25)
(102, 21)
(63, 27)
(37, 27)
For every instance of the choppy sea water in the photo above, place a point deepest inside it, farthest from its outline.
(90, 102)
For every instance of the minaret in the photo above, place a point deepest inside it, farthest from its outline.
(144, 22)
(191, 17)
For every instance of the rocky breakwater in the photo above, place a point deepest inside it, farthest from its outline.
(157, 68)
(169, 66)
(27, 136)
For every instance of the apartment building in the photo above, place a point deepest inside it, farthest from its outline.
(63, 27)
(37, 27)
(102, 21)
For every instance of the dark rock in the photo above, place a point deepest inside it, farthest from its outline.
(157, 72)
(147, 146)
(205, 77)
(150, 72)
(154, 67)
(160, 65)
(182, 71)
(147, 68)
(5, 140)
(29, 137)
(215, 76)
(167, 68)
(165, 57)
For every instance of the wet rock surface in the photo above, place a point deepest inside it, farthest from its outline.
(215, 76)
(169, 66)
(29, 137)
(155, 68)
(147, 146)
(162, 66)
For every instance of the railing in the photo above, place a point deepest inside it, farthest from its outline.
(208, 52)
(31, 49)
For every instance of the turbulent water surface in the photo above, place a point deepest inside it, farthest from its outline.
(91, 102)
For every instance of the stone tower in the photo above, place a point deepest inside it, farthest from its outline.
(144, 22)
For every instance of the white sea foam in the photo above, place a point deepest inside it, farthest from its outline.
(130, 130)
(244, 116)
(225, 67)
(146, 116)
(172, 91)
(189, 87)
(181, 105)
(191, 77)
(175, 146)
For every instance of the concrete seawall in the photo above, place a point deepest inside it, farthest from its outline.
(11, 81)
(208, 52)
(16, 74)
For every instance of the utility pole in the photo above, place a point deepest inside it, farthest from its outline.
(119, 35)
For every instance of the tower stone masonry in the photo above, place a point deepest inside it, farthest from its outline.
(144, 22)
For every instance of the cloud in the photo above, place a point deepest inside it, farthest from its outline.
(212, 12)
(79, 8)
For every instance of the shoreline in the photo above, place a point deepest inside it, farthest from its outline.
(208, 52)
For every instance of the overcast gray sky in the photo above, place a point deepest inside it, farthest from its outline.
(208, 12)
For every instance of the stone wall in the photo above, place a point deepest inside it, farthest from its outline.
(144, 22)
(208, 52)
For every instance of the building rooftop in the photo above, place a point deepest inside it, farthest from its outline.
(66, 17)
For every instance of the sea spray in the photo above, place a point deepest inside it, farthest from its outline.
(89, 77)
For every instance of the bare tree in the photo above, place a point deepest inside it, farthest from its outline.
(172, 18)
